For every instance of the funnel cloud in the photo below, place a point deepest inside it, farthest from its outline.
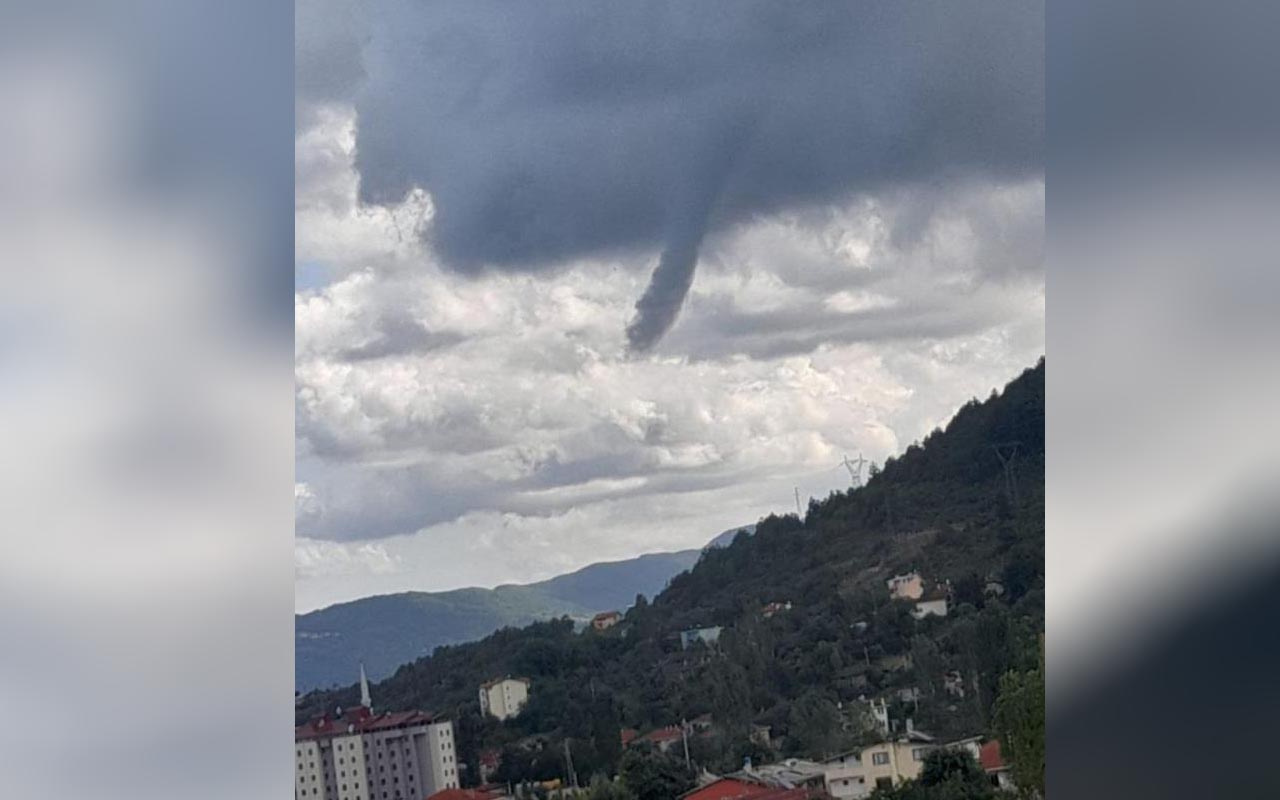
(549, 133)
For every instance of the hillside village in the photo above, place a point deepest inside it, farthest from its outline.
(889, 641)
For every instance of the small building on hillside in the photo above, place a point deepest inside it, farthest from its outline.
(771, 609)
(663, 738)
(605, 620)
(707, 636)
(906, 587)
(490, 759)
(504, 698)
(934, 604)
(628, 735)
(992, 763)
(481, 793)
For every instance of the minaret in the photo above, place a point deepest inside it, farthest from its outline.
(365, 700)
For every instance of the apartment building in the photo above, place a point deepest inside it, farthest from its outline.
(359, 755)
(505, 697)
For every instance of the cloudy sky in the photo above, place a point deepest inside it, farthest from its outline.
(577, 282)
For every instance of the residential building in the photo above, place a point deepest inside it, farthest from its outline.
(505, 697)
(992, 763)
(470, 794)
(932, 605)
(739, 789)
(906, 587)
(605, 620)
(663, 738)
(360, 755)
(771, 609)
(858, 772)
(693, 636)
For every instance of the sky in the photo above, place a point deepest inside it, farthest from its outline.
(575, 283)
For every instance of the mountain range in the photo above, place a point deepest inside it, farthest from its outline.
(386, 631)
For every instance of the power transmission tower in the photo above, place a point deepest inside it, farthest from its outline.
(1007, 452)
(855, 469)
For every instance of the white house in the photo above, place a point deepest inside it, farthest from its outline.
(906, 587)
(505, 697)
(933, 605)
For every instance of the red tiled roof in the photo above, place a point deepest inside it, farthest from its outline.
(464, 794)
(989, 756)
(629, 735)
(667, 734)
(359, 720)
(733, 789)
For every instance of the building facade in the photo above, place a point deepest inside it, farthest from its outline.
(504, 698)
(858, 772)
(360, 755)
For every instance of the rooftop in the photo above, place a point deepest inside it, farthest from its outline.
(360, 720)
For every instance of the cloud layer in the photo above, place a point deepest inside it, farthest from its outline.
(550, 133)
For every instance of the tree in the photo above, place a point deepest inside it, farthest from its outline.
(947, 774)
(1020, 722)
(604, 789)
(650, 775)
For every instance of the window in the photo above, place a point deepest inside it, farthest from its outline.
(880, 759)
(917, 753)
(884, 783)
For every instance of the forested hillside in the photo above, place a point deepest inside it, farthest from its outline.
(389, 630)
(947, 507)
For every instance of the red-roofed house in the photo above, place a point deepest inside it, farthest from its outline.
(993, 764)
(469, 794)
(663, 738)
(605, 620)
(735, 789)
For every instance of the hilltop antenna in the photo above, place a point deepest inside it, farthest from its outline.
(1007, 452)
(798, 514)
(855, 469)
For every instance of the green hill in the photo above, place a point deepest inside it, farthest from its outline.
(965, 508)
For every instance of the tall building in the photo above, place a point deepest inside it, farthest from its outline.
(360, 755)
(504, 697)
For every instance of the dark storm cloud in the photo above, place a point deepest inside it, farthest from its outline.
(549, 131)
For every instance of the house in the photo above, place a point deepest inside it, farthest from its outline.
(878, 714)
(701, 723)
(469, 794)
(490, 759)
(906, 587)
(992, 763)
(953, 684)
(505, 697)
(859, 772)
(628, 736)
(662, 738)
(933, 604)
(761, 735)
(771, 609)
(788, 774)
(707, 636)
(605, 620)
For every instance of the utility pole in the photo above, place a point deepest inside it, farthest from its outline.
(684, 734)
(568, 759)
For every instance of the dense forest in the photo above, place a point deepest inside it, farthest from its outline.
(964, 508)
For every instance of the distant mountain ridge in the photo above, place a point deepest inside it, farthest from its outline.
(386, 631)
